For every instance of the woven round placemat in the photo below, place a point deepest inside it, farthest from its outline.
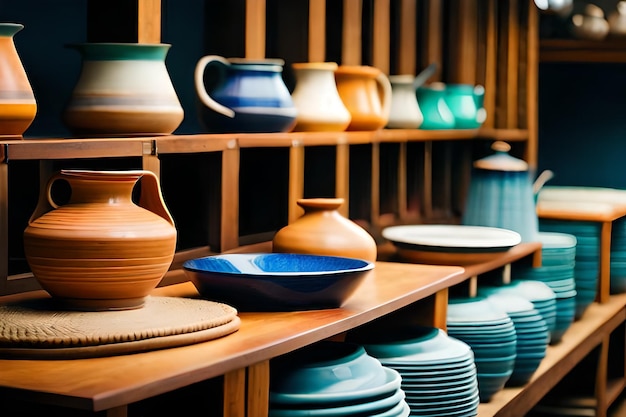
(39, 329)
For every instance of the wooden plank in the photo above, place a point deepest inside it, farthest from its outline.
(532, 87)
(229, 223)
(433, 34)
(342, 177)
(382, 35)
(121, 411)
(512, 63)
(4, 225)
(604, 274)
(258, 389)
(352, 32)
(441, 309)
(427, 198)
(317, 30)
(601, 377)
(375, 186)
(235, 393)
(150, 160)
(255, 29)
(296, 180)
(402, 183)
(463, 46)
(491, 63)
(408, 42)
(148, 21)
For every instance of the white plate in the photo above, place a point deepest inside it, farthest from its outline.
(452, 238)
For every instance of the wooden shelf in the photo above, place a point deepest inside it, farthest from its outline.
(577, 342)
(582, 51)
(119, 380)
(61, 148)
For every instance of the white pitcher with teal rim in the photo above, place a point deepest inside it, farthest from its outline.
(124, 89)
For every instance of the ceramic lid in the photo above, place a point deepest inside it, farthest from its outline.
(501, 160)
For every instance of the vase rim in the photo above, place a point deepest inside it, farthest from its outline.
(252, 61)
(321, 202)
(357, 70)
(110, 175)
(9, 29)
(118, 51)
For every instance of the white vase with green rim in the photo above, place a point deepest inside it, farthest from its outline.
(124, 89)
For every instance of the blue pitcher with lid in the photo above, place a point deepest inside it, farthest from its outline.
(501, 194)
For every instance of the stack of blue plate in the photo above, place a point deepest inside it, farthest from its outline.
(490, 332)
(532, 335)
(537, 292)
(558, 272)
(587, 267)
(334, 379)
(438, 371)
(618, 256)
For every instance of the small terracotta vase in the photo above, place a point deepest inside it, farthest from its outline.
(100, 250)
(322, 230)
(124, 89)
(17, 101)
(366, 93)
(317, 100)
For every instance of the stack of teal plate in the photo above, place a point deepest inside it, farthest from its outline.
(618, 256)
(558, 272)
(438, 371)
(532, 335)
(537, 292)
(334, 379)
(490, 332)
(587, 267)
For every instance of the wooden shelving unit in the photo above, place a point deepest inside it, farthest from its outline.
(479, 42)
(575, 50)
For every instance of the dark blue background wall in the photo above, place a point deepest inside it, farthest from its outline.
(582, 123)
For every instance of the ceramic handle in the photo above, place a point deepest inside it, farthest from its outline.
(201, 89)
(45, 203)
(384, 87)
(151, 198)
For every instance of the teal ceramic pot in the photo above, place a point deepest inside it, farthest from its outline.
(124, 89)
(466, 104)
(242, 95)
(501, 194)
(431, 99)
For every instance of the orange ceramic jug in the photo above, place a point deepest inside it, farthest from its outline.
(366, 93)
(17, 101)
(100, 250)
(322, 230)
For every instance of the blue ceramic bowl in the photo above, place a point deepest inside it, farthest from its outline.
(277, 281)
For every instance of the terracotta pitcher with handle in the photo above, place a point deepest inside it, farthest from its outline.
(100, 250)
(366, 93)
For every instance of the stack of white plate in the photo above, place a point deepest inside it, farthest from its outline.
(587, 267)
(532, 335)
(334, 379)
(537, 292)
(438, 371)
(490, 332)
(618, 256)
(557, 271)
